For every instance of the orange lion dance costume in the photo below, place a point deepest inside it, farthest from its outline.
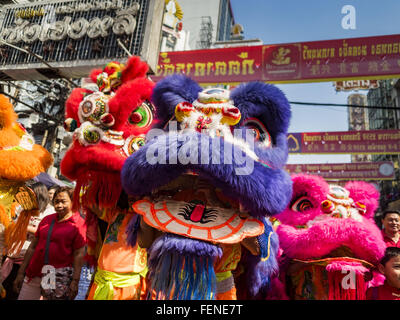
(20, 160)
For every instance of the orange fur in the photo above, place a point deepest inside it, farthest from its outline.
(7, 118)
(14, 164)
(24, 165)
(8, 137)
(7, 114)
(17, 165)
(15, 234)
(4, 219)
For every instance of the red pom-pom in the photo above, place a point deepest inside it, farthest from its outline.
(136, 117)
(107, 119)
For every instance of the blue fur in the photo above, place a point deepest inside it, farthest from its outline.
(263, 192)
(172, 258)
(171, 91)
(265, 102)
(131, 230)
(259, 273)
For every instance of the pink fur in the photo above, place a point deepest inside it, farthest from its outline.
(316, 189)
(364, 239)
(377, 279)
(357, 267)
(366, 193)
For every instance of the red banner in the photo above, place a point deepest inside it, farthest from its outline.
(329, 60)
(345, 142)
(346, 171)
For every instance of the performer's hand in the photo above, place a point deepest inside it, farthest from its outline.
(73, 289)
(146, 234)
(18, 282)
(252, 245)
(2, 292)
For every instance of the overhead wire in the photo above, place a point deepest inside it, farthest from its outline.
(342, 105)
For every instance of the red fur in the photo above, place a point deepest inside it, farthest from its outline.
(135, 68)
(101, 187)
(7, 113)
(94, 74)
(95, 162)
(15, 164)
(338, 292)
(127, 98)
(72, 103)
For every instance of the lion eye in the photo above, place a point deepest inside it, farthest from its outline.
(302, 204)
(259, 131)
(142, 116)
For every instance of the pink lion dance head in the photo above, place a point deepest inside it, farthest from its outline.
(329, 239)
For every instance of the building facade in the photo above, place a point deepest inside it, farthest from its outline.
(207, 21)
(174, 37)
(386, 95)
(47, 46)
(358, 120)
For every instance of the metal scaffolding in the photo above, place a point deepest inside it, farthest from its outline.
(206, 28)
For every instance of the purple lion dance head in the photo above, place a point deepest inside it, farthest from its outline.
(209, 176)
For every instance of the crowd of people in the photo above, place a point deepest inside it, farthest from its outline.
(57, 238)
(390, 263)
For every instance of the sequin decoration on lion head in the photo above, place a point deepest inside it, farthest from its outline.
(109, 124)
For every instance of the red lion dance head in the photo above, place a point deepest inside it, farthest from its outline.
(109, 125)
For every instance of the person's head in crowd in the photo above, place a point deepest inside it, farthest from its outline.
(62, 201)
(390, 266)
(41, 193)
(378, 219)
(391, 221)
(52, 189)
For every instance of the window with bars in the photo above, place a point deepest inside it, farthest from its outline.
(68, 49)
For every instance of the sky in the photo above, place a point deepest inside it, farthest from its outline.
(312, 20)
